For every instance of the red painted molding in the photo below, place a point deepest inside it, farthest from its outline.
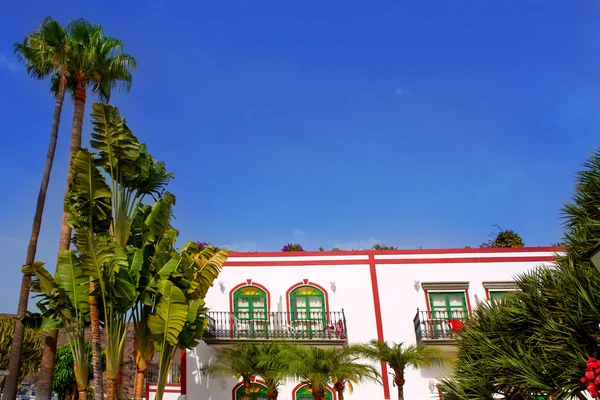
(183, 378)
(487, 293)
(468, 300)
(301, 385)
(379, 322)
(239, 384)
(428, 310)
(306, 282)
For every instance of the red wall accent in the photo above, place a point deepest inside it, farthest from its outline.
(183, 379)
(306, 282)
(300, 385)
(379, 322)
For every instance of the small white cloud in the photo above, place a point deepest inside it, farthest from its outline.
(8, 65)
(399, 91)
(298, 233)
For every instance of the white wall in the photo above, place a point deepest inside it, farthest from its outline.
(398, 301)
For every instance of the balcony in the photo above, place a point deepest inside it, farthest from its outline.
(438, 328)
(316, 328)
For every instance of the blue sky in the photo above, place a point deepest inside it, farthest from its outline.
(416, 124)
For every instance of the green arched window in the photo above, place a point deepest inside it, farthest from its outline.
(250, 313)
(259, 392)
(308, 311)
(304, 394)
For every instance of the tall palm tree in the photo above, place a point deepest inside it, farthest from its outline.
(43, 53)
(317, 367)
(398, 357)
(271, 366)
(238, 361)
(97, 62)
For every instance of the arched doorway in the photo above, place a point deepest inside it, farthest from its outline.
(304, 393)
(259, 392)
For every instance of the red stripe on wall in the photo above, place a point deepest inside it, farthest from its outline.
(379, 323)
(183, 378)
(414, 251)
(465, 260)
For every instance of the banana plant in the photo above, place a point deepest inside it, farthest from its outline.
(64, 305)
(179, 318)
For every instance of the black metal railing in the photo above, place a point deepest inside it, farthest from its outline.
(174, 375)
(276, 325)
(439, 324)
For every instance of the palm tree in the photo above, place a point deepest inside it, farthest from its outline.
(271, 366)
(43, 53)
(398, 357)
(317, 367)
(238, 361)
(97, 62)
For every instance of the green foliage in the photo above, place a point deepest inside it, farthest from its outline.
(503, 239)
(65, 382)
(32, 347)
(292, 247)
(383, 247)
(537, 341)
(336, 249)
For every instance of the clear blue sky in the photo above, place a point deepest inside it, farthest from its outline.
(330, 123)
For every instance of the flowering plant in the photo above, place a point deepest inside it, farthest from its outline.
(292, 247)
(592, 377)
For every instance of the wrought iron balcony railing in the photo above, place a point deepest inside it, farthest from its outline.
(276, 325)
(439, 324)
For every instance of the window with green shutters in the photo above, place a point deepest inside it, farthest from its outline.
(259, 392)
(498, 295)
(308, 313)
(250, 312)
(448, 313)
(304, 394)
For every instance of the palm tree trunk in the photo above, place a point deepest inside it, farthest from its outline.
(83, 394)
(14, 363)
(46, 375)
(111, 393)
(139, 385)
(97, 384)
(400, 384)
(340, 395)
(120, 377)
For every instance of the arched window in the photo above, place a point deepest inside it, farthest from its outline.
(259, 392)
(308, 313)
(250, 313)
(304, 393)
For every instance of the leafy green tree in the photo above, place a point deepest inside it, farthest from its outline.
(503, 239)
(398, 358)
(42, 52)
(31, 349)
(537, 341)
(317, 367)
(384, 247)
(238, 361)
(271, 366)
(65, 381)
(292, 247)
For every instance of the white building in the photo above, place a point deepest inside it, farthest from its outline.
(335, 298)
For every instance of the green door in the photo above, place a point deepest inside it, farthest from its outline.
(446, 307)
(304, 394)
(250, 316)
(309, 317)
(259, 392)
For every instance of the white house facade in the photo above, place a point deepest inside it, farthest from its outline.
(345, 297)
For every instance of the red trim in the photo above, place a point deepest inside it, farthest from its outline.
(306, 282)
(301, 385)
(487, 293)
(462, 260)
(239, 384)
(414, 251)
(428, 310)
(147, 390)
(248, 282)
(183, 377)
(378, 322)
(468, 300)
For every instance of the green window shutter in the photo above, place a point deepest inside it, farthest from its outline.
(497, 295)
(308, 311)
(304, 394)
(448, 305)
(259, 392)
(250, 312)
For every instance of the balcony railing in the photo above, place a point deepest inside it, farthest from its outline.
(438, 324)
(276, 325)
(174, 375)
